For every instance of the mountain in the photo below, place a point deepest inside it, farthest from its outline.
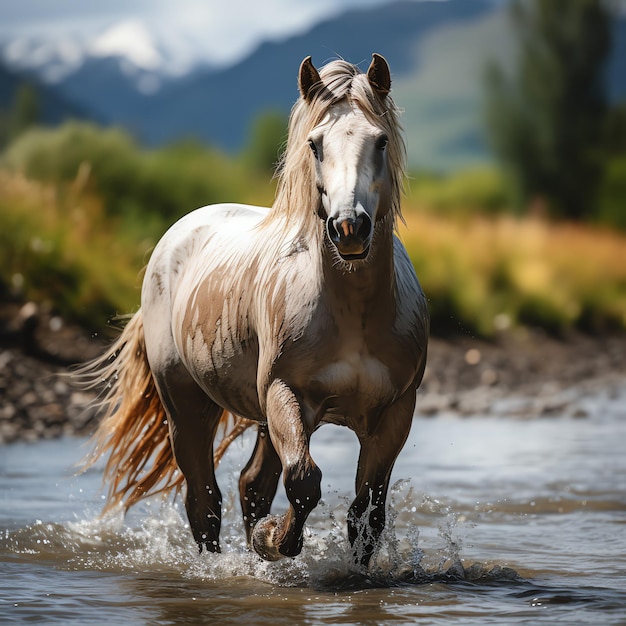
(152, 84)
(109, 86)
(444, 99)
(220, 106)
(616, 69)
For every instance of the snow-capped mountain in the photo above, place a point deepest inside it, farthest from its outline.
(49, 60)
(145, 59)
(111, 73)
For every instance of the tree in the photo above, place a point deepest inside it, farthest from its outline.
(25, 110)
(267, 137)
(546, 121)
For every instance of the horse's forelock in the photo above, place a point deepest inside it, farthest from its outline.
(342, 81)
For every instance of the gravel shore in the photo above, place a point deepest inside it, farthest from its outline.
(521, 374)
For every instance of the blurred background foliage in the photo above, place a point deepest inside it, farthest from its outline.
(537, 239)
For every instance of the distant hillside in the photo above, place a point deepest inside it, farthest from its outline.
(444, 99)
(102, 86)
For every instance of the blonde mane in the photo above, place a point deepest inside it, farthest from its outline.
(297, 197)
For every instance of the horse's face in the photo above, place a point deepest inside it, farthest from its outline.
(350, 165)
(350, 157)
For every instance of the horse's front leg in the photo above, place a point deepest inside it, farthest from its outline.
(276, 536)
(379, 449)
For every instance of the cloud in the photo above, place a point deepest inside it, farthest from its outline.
(210, 30)
(131, 39)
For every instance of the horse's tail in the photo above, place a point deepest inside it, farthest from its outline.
(134, 427)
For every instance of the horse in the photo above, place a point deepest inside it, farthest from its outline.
(286, 318)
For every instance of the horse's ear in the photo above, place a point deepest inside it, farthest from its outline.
(309, 79)
(379, 75)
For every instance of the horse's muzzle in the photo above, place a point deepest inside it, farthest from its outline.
(351, 236)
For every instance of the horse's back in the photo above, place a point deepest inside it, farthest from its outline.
(219, 219)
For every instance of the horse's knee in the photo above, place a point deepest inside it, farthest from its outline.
(276, 536)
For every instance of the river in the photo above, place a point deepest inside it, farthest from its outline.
(491, 521)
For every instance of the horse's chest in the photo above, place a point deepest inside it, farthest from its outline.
(346, 381)
(353, 372)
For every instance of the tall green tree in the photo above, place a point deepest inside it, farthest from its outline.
(25, 110)
(546, 119)
(267, 138)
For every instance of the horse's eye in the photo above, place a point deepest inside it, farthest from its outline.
(313, 148)
(381, 142)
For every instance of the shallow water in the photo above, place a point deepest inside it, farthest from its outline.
(492, 520)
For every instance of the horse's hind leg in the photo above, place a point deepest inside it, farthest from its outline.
(258, 481)
(276, 536)
(194, 419)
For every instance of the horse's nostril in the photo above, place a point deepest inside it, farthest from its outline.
(363, 226)
(347, 229)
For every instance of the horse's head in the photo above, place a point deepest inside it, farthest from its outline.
(349, 148)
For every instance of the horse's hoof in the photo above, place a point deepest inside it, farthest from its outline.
(263, 538)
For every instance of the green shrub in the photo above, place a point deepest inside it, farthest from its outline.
(611, 201)
(59, 248)
(465, 192)
(167, 183)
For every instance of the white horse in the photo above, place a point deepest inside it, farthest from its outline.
(305, 313)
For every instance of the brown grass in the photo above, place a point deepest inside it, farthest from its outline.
(522, 269)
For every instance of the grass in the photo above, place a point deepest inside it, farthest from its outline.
(484, 274)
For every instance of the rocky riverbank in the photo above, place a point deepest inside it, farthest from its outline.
(521, 374)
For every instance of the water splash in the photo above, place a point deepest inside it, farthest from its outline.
(156, 538)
